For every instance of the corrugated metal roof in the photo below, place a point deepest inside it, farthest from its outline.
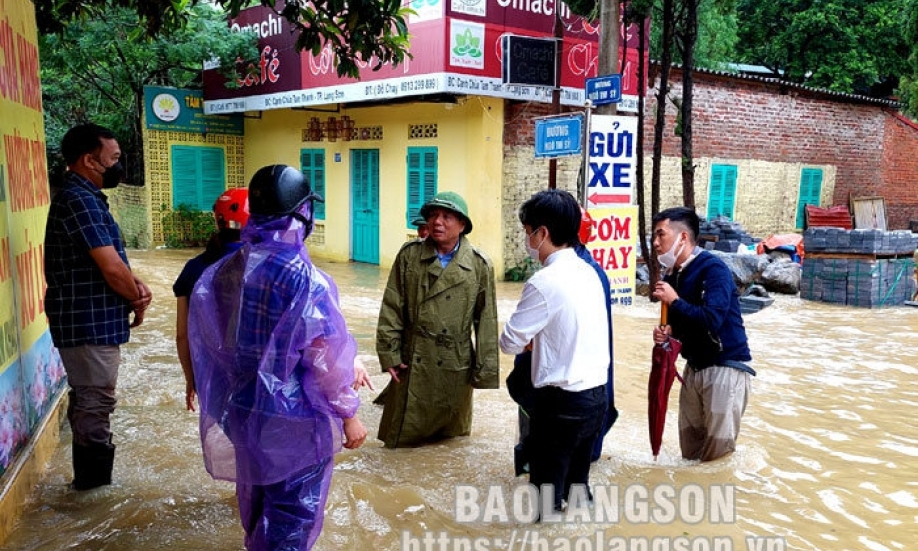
(793, 85)
(831, 217)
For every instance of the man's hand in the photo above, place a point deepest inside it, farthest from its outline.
(140, 305)
(189, 395)
(145, 296)
(394, 371)
(662, 333)
(361, 377)
(138, 318)
(354, 433)
(665, 292)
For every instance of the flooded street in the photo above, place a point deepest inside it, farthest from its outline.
(827, 458)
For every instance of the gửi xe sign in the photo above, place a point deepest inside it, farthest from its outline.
(612, 167)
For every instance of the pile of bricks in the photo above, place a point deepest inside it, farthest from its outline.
(867, 268)
(721, 234)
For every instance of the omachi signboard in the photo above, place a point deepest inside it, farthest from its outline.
(455, 49)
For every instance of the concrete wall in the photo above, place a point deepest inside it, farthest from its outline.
(31, 374)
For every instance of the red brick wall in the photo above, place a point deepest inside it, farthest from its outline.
(744, 119)
(875, 152)
(900, 171)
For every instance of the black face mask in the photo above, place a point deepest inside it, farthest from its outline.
(112, 176)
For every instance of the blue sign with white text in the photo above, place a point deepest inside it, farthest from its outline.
(558, 136)
(604, 90)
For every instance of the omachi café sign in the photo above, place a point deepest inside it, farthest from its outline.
(612, 167)
(455, 49)
(177, 110)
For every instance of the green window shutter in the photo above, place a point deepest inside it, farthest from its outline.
(198, 176)
(729, 201)
(422, 180)
(810, 191)
(213, 176)
(312, 164)
(722, 195)
(184, 177)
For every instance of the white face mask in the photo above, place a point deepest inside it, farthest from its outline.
(533, 252)
(668, 259)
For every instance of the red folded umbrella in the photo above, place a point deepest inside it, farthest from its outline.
(662, 373)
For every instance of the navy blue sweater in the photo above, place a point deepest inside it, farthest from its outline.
(707, 317)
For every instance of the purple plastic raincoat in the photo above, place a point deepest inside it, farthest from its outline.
(273, 364)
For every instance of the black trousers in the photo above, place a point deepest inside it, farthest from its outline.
(564, 426)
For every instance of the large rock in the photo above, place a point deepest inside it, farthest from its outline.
(781, 277)
(746, 268)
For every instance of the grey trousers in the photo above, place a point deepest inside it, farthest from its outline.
(92, 372)
(711, 405)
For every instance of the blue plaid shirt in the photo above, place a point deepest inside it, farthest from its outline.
(81, 307)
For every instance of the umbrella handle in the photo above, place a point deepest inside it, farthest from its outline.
(664, 314)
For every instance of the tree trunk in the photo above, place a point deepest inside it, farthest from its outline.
(690, 37)
(666, 61)
(646, 252)
(134, 171)
(609, 31)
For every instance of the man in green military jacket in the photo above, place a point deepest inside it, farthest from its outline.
(437, 331)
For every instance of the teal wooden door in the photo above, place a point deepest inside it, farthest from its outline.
(365, 205)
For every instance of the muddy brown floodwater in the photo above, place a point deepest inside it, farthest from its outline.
(827, 458)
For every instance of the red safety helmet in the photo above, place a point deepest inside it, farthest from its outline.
(586, 226)
(232, 209)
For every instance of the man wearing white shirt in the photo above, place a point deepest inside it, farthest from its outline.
(562, 317)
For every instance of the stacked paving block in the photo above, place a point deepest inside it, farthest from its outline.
(868, 268)
(727, 235)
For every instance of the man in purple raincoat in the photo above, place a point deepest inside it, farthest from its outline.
(273, 364)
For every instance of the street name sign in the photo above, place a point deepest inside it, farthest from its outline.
(558, 136)
(604, 90)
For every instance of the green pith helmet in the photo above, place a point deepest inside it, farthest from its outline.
(419, 221)
(452, 201)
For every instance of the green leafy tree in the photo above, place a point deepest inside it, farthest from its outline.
(715, 46)
(95, 69)
(354, 30)
(848, 46)
(908, 85)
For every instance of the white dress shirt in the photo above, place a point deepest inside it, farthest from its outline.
(563, 312)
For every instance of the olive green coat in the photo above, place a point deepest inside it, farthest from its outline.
(442, 324)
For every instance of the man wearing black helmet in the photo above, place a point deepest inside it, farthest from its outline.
(273, 364)
(437, 331)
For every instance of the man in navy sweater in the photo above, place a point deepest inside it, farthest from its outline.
(704, 314)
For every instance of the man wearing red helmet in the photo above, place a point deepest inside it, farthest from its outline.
(231, 212)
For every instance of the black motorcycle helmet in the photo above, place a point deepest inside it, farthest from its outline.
(276, 190)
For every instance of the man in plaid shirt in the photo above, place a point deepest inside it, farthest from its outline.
(90, 296)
